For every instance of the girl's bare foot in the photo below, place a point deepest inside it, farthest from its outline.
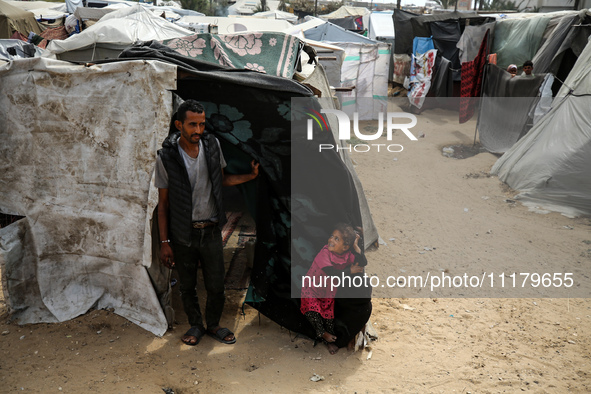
(332, 348)
(328, 337)
(351, 344)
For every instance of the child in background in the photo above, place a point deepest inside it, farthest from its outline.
(512, 69)
(334, 259)
(528, 67)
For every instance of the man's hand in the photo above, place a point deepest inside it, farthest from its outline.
(237, 179)
(166, 255)
(255, 168)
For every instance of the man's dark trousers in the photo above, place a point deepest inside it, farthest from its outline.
(206, 245)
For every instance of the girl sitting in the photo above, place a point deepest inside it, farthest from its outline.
(335, 259)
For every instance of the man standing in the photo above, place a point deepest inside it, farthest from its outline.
(189, 178)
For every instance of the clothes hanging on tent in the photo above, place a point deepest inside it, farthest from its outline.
(471, 38)
(420, 77)
(401, 68)
(443, 80)
(472, 74)
(421, 45)
(446, 35)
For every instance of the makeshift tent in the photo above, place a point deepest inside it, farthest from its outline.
(90, 246)
(42, 9)
(347, 17)
(78, 158)
(551, 165)
(15, 19)
(365, 68)
(114, 32)
(331, 57)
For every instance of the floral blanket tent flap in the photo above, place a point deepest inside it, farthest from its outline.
(269, 53)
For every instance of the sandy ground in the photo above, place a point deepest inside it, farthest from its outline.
(438, 213)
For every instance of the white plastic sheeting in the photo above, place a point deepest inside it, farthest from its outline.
(279, 15)
(78, 146)
(120, 29)
(366, 68)
(381, 26)
(42, 9)
(237, 25)
(551, 165)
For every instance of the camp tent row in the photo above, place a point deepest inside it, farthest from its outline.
(545, 155)
(359, 67)
(13, 18)
(85, 238)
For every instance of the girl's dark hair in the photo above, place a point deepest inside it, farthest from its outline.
(347, 231)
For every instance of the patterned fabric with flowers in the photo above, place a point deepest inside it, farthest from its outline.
(269, 53)
(188, 46)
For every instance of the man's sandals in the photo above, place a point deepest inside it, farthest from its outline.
(193, 336)
(222, 334)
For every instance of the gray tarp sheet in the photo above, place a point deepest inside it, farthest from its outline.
(505, 108)
(16, 49)
(548, 57)
(78, 148)
(403, 31)
(442, 83)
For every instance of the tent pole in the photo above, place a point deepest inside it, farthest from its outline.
(480, 103)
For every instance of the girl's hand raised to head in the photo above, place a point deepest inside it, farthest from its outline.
(356, 244)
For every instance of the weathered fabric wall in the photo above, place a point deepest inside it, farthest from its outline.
(78, 149)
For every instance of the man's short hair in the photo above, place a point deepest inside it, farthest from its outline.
(189, 105)
(528, 63)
